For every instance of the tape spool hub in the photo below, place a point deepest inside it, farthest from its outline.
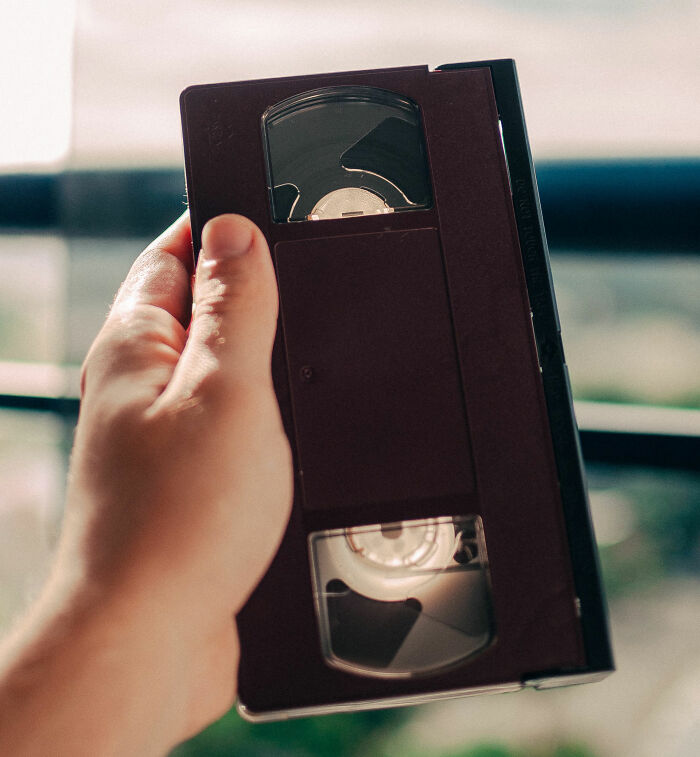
(393, 546)
(389, 562)
(349, 201)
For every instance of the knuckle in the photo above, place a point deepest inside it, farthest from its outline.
(93, 365)
(143, 325)
(228, 285)
(84, 376)
(131, 339)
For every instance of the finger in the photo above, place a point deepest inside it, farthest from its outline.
(161, 275)
(235, 314)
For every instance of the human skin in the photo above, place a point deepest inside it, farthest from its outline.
(179, 492)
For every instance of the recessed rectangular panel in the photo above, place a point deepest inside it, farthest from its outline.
(378, 407)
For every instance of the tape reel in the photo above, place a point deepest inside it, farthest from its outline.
(341, 152)
(402, 599)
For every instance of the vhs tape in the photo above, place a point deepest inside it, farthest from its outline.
(440, 542)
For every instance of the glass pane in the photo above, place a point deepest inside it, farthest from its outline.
(631, 326)
(588, 90)
(32, 297)
(33, 460)
(96, 269)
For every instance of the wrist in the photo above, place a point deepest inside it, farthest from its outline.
(101, 674)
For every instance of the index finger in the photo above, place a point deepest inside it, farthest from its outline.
(161, 276)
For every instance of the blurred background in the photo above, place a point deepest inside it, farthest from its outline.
(91, 170)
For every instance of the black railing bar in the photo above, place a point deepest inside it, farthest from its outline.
(33, 384)
(619, 448)
(642, 205)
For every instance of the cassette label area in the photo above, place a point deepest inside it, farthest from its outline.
(402, 599)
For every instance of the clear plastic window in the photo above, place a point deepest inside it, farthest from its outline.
(342, 152)
(402, 599)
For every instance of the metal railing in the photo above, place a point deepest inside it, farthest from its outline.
(614, 207)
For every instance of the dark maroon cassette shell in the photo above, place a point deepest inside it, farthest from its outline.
(442, 401)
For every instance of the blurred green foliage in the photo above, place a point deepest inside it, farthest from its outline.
(664, 539)
(498, 750)
(359, 733)
(688, 399)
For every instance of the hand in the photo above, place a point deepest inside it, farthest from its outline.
(180, 480)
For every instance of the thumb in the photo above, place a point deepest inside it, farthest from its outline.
(235, 306)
